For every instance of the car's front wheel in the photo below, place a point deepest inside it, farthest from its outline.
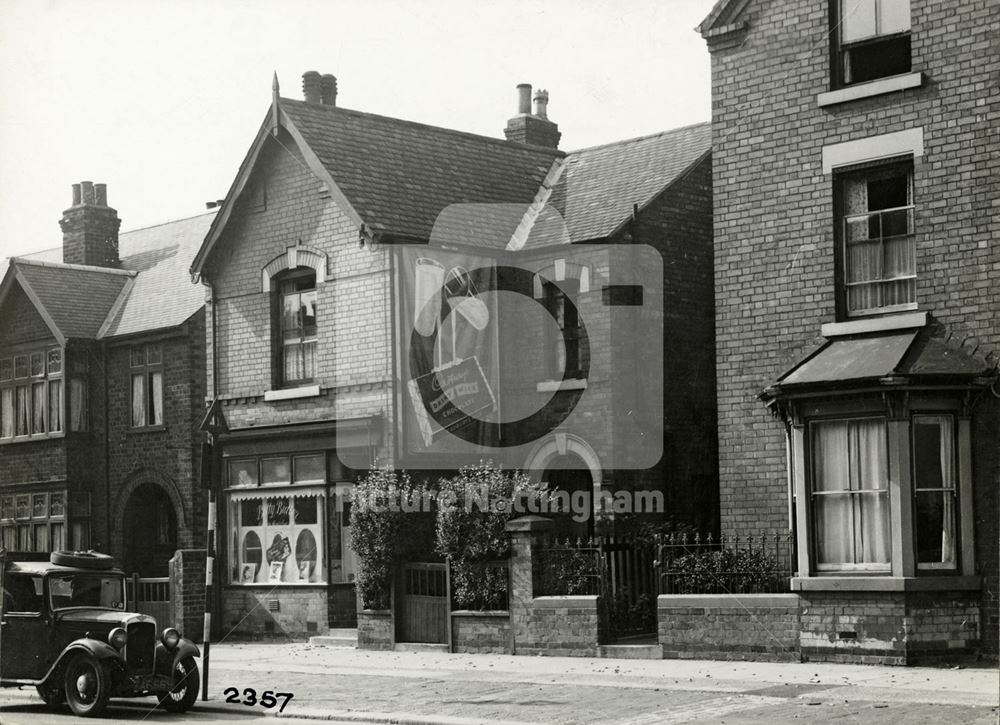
(185, 690)
(87, 685)
(52, 696)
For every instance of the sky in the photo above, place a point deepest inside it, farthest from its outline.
(160, 100)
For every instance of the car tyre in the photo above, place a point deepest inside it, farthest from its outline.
(87, 685)
(82, 559)
(51, 696)
(185, 690)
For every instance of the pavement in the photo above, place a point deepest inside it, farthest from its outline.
(432, 688)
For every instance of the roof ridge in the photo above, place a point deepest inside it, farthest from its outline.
(452, 131)
(164, 223)
(64, 265)
(639, 138)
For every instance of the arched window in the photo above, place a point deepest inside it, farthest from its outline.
(295, 333)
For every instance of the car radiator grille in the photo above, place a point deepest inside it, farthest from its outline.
(140, 647)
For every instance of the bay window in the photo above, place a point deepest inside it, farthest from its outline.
(277, 515)
(31, 394)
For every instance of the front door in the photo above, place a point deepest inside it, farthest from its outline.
(25, 634)
(424, 608)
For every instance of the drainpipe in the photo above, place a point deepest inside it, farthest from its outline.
(107, 456)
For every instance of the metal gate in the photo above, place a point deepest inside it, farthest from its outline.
(423, 603)
(151, 596)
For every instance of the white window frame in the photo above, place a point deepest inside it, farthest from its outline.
(36, 387)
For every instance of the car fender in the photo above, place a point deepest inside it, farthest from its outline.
(166, 659)
(101, 650)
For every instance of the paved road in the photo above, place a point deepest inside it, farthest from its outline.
(352, 685)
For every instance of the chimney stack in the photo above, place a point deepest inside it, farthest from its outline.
(90, 227)
(312, 85)
(535, 129)
(328, 90)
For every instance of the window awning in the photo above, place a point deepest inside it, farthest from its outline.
(913, 356)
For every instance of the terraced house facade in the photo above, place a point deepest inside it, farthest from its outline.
(102, 389)
(858, 327)
(341, 229)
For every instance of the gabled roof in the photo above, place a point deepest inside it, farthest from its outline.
(724, 17)
(599, 186)
(393, 178)
(73, 299)
(400, 175)
(151, 290)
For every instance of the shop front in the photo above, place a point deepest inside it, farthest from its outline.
(284, 536)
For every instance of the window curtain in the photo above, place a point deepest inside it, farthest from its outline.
(77, 404)
(851, 504)
(23, 410)
(832, 510)
(6, 413)
(156, 397)
(948, 495)
(55, 405)
(871, 474)
(138, 400)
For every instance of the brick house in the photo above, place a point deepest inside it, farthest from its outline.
(858, 326)
(312, 265)
(102, 389)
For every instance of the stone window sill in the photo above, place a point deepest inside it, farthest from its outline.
(553, 386)
(885, 583)
(32, 438)
(308, 391)
(875, 324)
(148, 429)
(872, 88)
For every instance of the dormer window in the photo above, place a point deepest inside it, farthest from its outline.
(872, 40)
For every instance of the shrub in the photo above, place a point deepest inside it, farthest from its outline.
(474, 508)
(722, 571)
(386, 526)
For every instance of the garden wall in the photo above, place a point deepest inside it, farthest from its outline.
(729, 626)
(376, 629)
(481, 632)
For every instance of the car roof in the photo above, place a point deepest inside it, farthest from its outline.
(46, 567)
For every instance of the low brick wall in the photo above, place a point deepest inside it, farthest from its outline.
(729, 626)
(251, 612)
(888, 628)
(558, 626)
(187, 593)
(481, 632)
(375, 629)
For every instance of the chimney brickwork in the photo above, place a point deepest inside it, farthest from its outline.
(534, 129)
(90, 227)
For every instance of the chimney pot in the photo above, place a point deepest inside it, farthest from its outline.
(311, 87)
(524, 98)
(328, 90)
(76, 195)
(87, 190)
(541, 103)
(101, 193)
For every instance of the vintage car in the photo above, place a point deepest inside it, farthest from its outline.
(65, 628)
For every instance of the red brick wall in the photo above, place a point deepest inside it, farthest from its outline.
(774, 253)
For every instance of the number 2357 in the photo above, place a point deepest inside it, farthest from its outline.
(268, 699)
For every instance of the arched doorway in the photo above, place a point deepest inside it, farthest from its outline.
(150, 531)
(572, 483)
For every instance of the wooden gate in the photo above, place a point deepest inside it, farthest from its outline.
(423, 610)
(151, 596)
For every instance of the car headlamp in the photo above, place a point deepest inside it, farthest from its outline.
(117, 637)
(170, 638)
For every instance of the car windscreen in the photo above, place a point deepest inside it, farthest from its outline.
(86, 590)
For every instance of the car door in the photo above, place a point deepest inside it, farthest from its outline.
(24, 628)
